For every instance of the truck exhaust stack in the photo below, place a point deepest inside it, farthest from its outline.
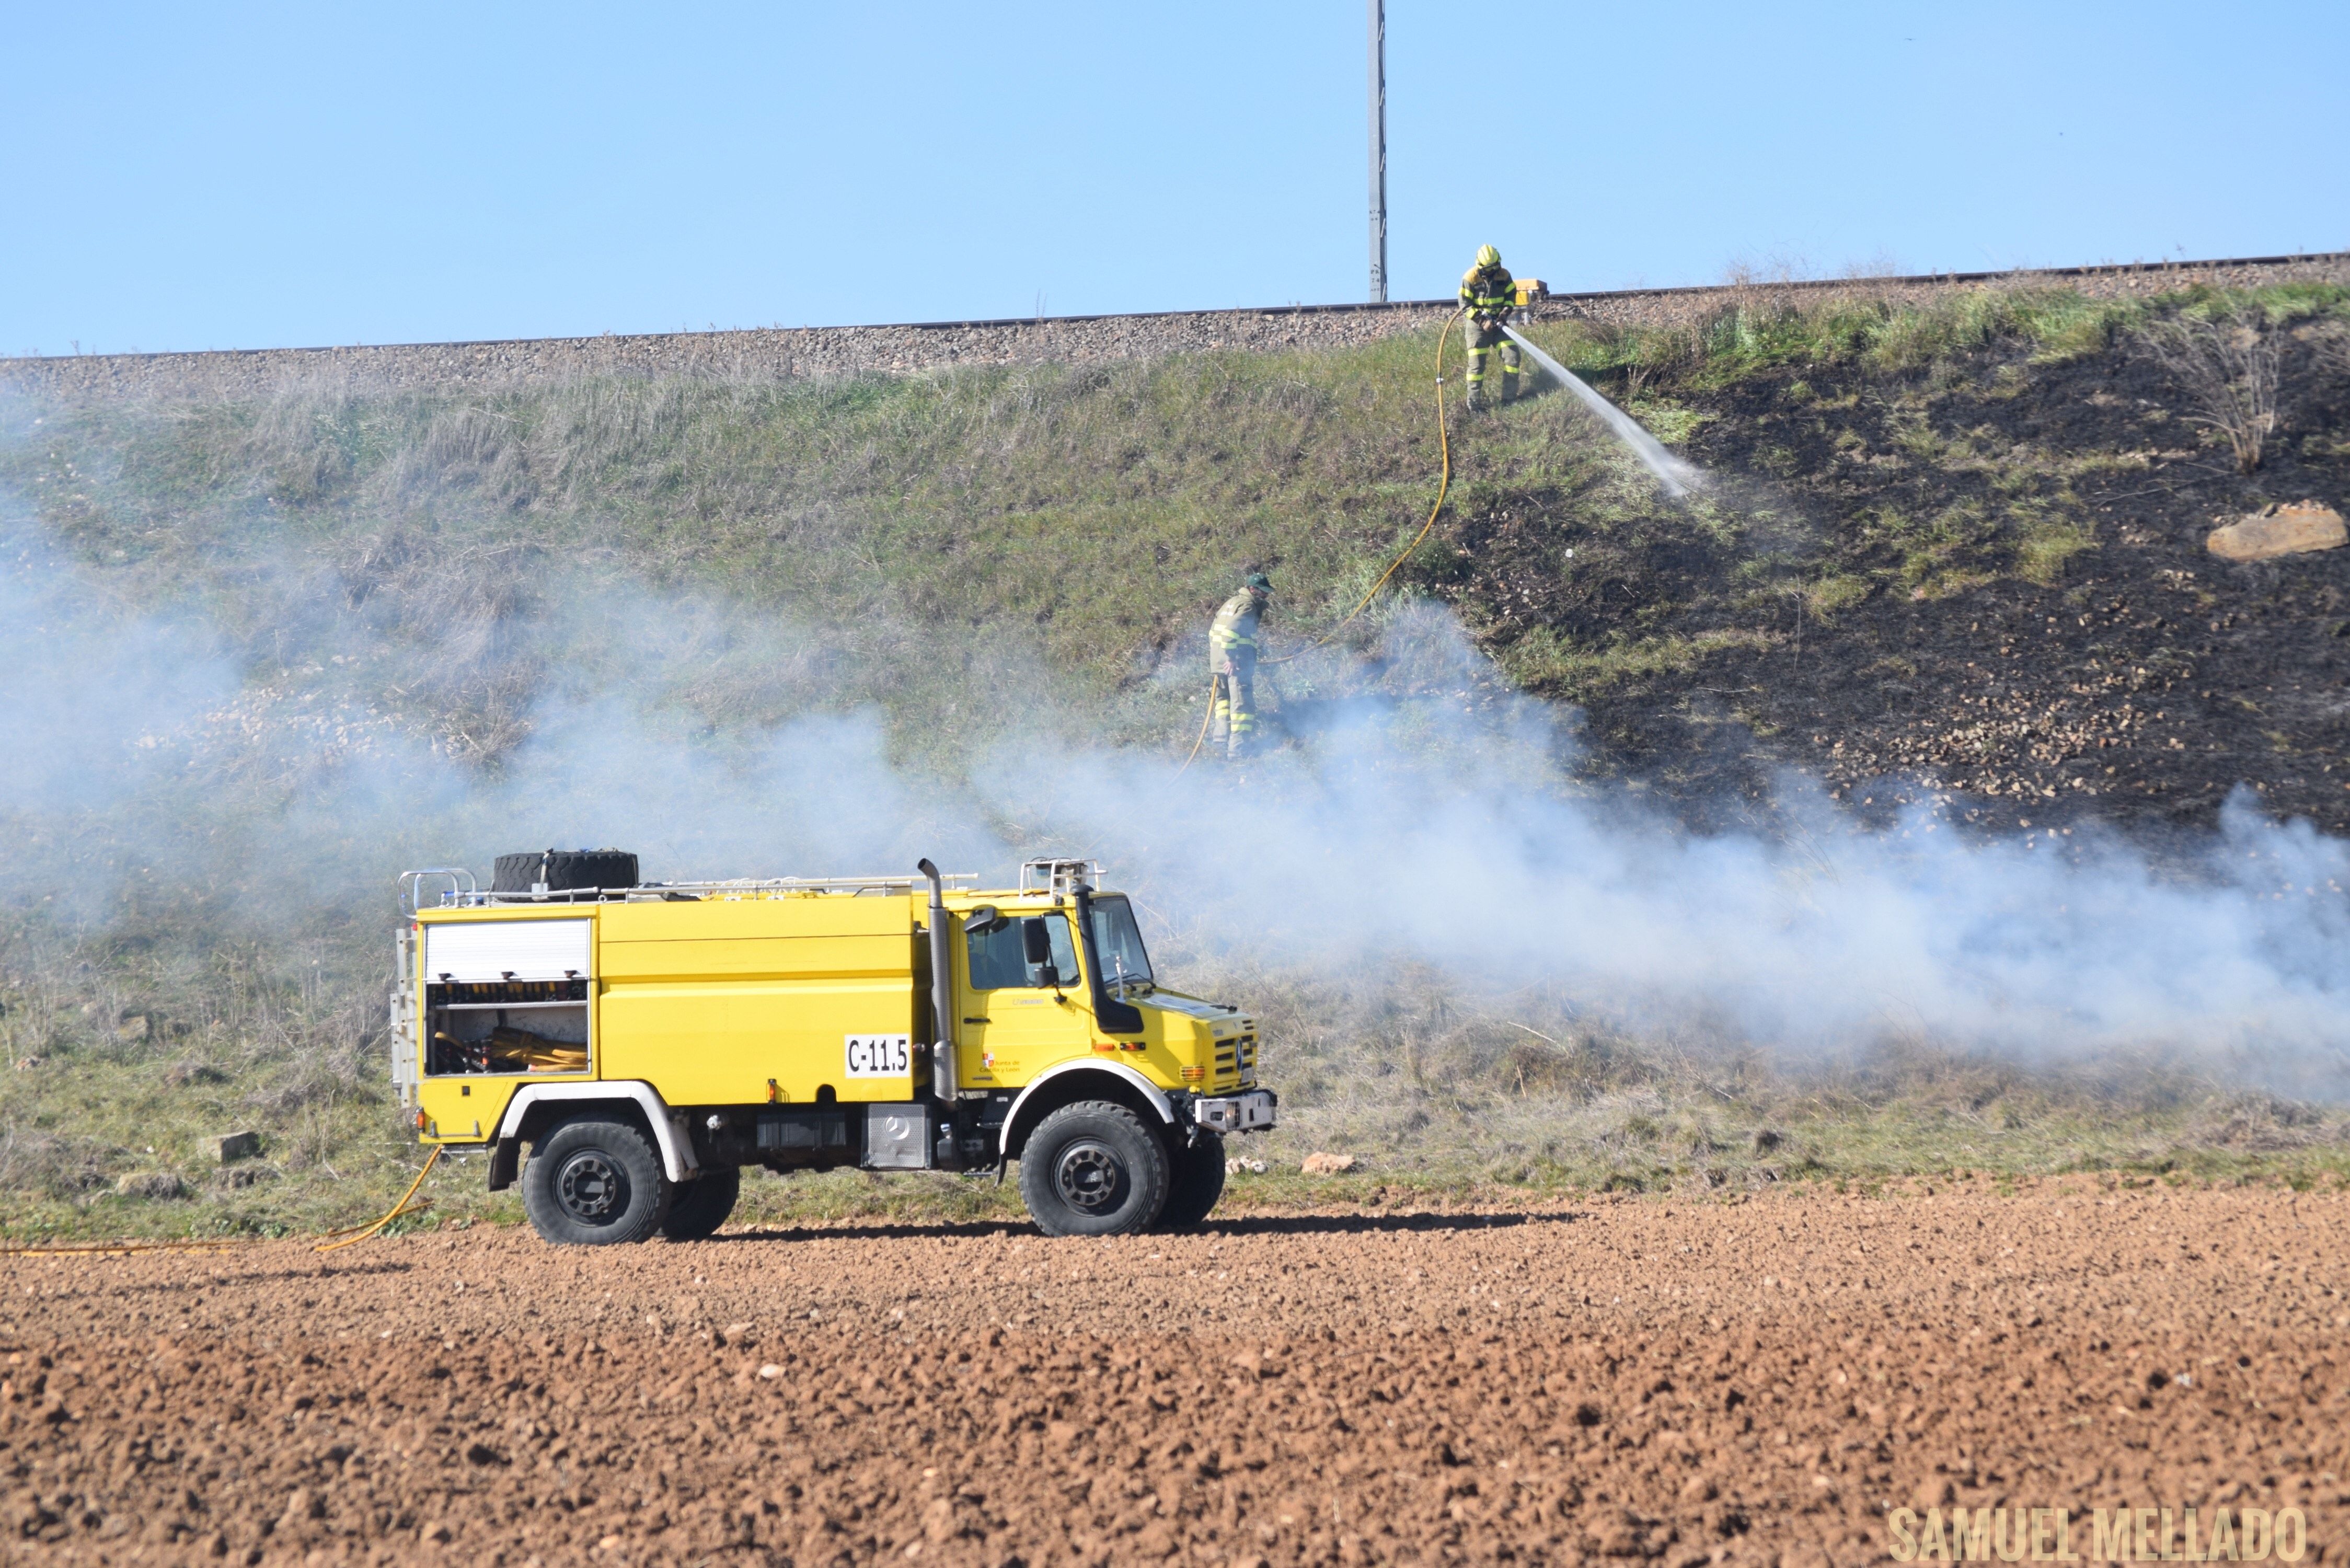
(942, 1035)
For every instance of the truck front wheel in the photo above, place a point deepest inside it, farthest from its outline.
(591, 1182)
(1092, 1169)
(1196, 1183)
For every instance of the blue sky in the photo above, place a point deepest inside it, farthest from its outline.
(239, 176)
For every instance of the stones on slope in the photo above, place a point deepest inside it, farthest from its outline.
(2279, 530)
(151, 1184)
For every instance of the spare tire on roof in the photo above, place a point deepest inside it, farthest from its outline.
(564, 869)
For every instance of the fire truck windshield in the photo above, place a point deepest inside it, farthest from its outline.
(1118, 942)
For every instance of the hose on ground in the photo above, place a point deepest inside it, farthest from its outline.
(110, 1249)
(335, 1239)
(353, 1235)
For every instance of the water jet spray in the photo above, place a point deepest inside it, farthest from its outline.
(1678, 477)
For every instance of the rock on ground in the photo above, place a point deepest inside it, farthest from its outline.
(2280, 531)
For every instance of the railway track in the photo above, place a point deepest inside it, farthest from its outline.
(773, 352)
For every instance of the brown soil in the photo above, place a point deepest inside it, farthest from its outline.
(1756, 1383)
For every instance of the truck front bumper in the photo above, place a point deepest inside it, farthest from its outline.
(1250, 1112)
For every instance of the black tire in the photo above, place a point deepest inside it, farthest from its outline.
(702, 1205)
(591, 1183)
(1196, 1179)
(1092, 1169)
(564, 869)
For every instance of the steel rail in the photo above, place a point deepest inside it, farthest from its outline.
(1924, 279)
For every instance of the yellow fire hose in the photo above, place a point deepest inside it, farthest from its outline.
(355, 1234)
(1443, 488)
(348, 1236)
(345, 1236)
(110, 1249)
(335, 1238)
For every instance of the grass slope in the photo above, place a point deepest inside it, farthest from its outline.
(1953, 550)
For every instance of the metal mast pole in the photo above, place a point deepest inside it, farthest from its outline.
(1379, 151)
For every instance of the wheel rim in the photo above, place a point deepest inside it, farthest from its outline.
(1090, 1177)
(592, 1188)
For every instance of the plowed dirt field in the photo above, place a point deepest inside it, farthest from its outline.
(1759, 1383)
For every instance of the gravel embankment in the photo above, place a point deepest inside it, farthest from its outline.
(764, 352)
(1685, 1383)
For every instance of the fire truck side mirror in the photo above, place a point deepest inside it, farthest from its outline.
(985, 920)
(1036, 942)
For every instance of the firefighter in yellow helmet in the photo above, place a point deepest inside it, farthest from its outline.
(1232, 667)
(1487, 294)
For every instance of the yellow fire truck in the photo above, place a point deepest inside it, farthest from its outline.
(644, 1042)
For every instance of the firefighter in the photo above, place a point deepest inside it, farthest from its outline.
(1487, 294)
(1231, 666)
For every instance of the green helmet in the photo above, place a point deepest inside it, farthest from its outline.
(1488, 256)
(1258, 583)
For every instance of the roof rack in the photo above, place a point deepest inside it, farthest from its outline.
(463, 892)
(1059, 877)
(460, 887)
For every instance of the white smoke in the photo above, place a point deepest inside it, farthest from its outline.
(1452, 850)
(1437, 830)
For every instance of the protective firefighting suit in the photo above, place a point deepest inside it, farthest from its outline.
(1232, 665)
(1487, 294)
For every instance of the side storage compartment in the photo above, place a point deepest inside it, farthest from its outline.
(506, 1001)
(506, 996)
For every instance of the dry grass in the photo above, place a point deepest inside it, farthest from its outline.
(2228, 364)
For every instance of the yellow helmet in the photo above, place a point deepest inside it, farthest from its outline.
(1488, 256)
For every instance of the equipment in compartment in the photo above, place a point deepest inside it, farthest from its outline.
(507, 1026)
(506, 996)
(530, 1037)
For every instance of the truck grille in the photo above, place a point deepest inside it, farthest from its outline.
(1227, 1070)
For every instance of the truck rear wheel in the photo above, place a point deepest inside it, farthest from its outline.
(591, 1182)
(1196, 1180)
(1092, 1169)
(702, 1204)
